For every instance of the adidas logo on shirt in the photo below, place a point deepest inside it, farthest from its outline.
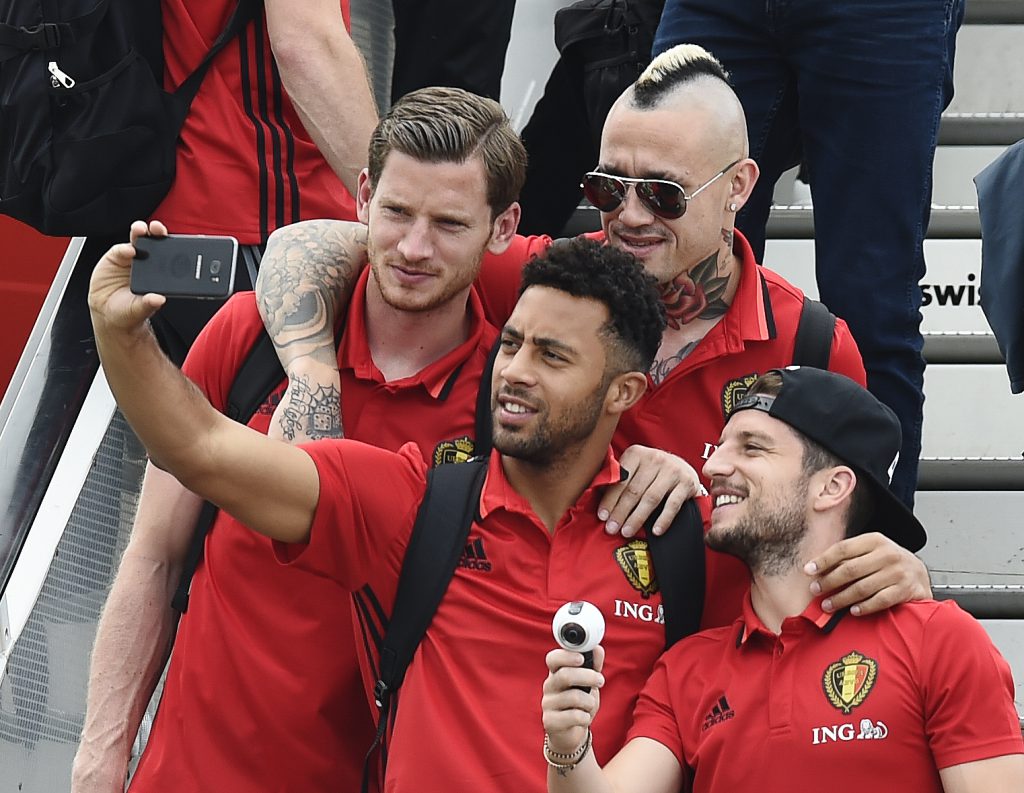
(474, 558)
(719, 713)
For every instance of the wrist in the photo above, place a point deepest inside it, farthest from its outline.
(566, 761)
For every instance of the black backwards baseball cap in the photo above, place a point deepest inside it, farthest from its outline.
(843, 417)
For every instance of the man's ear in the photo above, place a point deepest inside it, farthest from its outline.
(625, 391)
(742, 183)
(832, 488)
(364, 192)
(503, 229)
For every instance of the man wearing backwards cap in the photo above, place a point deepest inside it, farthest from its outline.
(913, 698)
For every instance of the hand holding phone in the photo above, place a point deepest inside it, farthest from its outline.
(185, 265)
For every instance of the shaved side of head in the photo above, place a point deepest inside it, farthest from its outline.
(690, 79)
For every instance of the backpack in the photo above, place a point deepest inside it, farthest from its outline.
(88, 136)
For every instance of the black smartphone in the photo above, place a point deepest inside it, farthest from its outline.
(185, 265)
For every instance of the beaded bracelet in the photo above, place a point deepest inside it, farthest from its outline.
(565, 761)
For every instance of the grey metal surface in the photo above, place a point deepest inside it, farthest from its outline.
(994, 12)
(985, 601)
(981, 129)
(971, 473)
(974, 537)
(964, 347)
(42, 698)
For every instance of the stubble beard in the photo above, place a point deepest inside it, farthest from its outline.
(766, 539)
(437, 296)
(551, 440)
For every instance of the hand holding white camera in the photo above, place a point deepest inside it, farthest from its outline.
(571, 691)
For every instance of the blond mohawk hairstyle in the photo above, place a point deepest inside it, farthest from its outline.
(681, 64)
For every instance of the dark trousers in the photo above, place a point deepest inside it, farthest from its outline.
(855, 88)
(452, 43)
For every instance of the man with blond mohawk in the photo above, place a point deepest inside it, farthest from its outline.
(673, 173)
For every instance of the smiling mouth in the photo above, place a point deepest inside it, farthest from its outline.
(726, 499)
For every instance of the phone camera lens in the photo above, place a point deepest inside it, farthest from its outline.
(573, 634)
(215, 267)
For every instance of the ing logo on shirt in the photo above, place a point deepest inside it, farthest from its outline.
(635, 560)
(456, 450)
(848, 682)
(734, 391)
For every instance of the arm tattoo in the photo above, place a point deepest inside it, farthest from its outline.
(696, 294)
(306, 278)
(661, 369)
(314, 407)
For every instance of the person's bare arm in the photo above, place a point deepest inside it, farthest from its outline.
(269, 486)
(641, 766)
(135, 633)
(868, 573)
(306, 279)
(995, 775)
(325, 77)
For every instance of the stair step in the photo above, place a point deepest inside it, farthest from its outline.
(961, 347)
(994, 12)
(985, 601)
(947, 222)
(971, 473)
(981, 129)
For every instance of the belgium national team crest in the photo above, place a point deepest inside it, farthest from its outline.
(457, 450)
(734, 391)
(635, 561)
(849, 681)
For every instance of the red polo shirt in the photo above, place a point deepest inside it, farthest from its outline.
(469, 710)
(245, 163)
(264, 691)
(845, 702)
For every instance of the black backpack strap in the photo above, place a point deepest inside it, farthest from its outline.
(483, 426)
(678, 558)
(450, 505)
(814, 335)
(244, 13)
(51, 35)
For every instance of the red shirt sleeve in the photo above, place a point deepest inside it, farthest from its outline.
(845, 358)
(498, 282)
(368, 503)
(654, 717)
(967, 689)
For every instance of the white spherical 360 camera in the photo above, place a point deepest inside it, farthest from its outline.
(579, 626)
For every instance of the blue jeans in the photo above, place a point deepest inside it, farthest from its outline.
(854, 89)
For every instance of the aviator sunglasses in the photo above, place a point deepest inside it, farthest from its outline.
(664, 198)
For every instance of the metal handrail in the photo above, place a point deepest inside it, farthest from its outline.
(970, 473)
(985, 601)
(994, 12)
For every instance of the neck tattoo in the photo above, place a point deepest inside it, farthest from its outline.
(697, 294)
